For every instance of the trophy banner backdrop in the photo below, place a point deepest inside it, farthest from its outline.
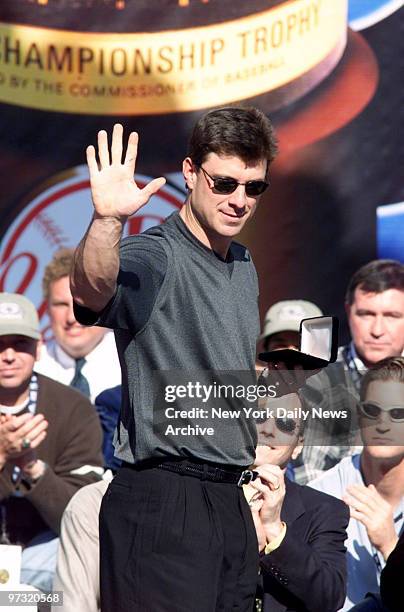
(327, 72)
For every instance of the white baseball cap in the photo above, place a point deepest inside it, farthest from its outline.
(287, 315)
(18, 315)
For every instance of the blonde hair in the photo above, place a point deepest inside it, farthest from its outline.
(57, 268)
(391, 368)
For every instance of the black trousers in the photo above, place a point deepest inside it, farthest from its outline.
(174, 543)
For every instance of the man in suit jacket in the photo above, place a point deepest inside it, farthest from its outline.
(300, 531)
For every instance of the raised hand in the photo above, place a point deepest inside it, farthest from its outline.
(113, 187)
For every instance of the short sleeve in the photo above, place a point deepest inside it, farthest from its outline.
(143, 266)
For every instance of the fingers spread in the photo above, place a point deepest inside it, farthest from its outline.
(152, 187)
(116, 147)
(103, 152)
(91, 161)
(131, 151)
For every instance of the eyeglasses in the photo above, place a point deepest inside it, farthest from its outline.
(373, 411)
(226, 185)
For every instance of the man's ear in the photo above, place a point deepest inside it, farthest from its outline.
(188, 172)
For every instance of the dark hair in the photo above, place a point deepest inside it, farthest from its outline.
(244, 132)
(391, 368)
(376, 276)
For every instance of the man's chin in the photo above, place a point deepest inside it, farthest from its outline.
(82, 344)
(74, 348)
(386, 451)
(371, 358)
(230, 228)
(10, 382)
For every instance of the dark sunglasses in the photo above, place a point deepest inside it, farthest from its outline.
(373, 411)
(226, 185)
(285, 425)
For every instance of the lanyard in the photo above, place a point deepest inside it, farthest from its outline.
(31, 407)
(33, 394)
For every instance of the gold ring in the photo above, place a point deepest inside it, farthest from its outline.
(276, 488)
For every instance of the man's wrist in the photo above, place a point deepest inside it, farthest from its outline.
(115, 220)
(273, 530)
(388, 547)
(277, 541)
(34, 470)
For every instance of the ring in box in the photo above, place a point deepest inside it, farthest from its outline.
(318, 345)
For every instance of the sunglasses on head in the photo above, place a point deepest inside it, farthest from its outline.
(226, 185)
(373, 411)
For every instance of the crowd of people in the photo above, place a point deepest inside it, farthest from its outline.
(285, 513)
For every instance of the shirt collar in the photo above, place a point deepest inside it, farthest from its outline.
(360, 366)
(67, 361)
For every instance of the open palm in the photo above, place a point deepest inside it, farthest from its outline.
(113, 188)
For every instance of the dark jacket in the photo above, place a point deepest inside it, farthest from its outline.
(307, 572)
(108, 406)
(391, 589)
(73, 440)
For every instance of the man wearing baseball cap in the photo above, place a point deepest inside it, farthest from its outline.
(282, 323)
(281, 331)
(50, 441)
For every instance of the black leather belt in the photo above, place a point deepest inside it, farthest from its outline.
(204, 471)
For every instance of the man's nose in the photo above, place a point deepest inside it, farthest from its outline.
(268, 428)
(378, 326)
(70, 314)
(238, 198)
(8, 354)
(384, 423)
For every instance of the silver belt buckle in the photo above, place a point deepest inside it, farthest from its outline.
(246, 477)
